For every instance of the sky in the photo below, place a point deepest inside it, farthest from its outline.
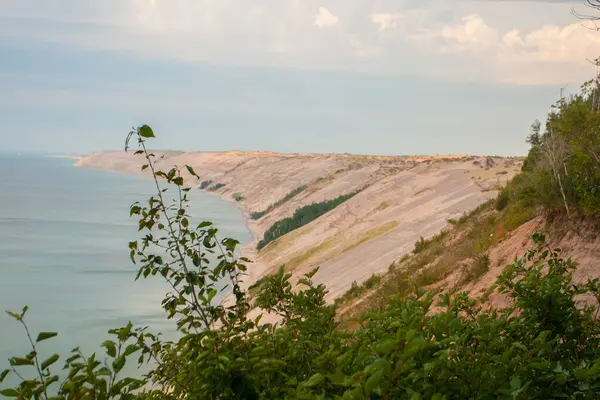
(329, 76)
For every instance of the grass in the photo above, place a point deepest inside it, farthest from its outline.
(298, 259)
(422, 244)
(436, 258)
(373, 233)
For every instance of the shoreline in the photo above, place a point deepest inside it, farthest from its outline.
(66, 157)
(245, 247)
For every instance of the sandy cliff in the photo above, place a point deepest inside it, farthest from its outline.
(402, 199)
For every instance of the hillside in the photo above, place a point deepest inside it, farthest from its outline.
(400, 199)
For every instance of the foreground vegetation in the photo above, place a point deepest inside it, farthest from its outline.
(301, 217)
(542, 346)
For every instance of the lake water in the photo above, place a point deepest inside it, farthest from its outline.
(63, 252)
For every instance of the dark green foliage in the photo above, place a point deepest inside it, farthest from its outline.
(541, 347)
(259, 214)
(503, 199)
(238, 197)
(216, 187)
(420, 245)
(301, 217)
(205, 184)
(562, 170)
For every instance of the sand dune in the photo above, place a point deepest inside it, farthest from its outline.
(403, 198)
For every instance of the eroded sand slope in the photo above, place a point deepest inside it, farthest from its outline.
(402, 198)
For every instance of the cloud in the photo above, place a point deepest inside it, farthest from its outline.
(325, 18)
(385, 20)
(492, 41)
(545, 55)
(472, 33)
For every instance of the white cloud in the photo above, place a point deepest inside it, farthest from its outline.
(546, 55)
(385, 20)
(449, 38)
(325, 18)
(472, 33)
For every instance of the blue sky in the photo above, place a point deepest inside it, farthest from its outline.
(377, 76)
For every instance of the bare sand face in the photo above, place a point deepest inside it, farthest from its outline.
(403, 198)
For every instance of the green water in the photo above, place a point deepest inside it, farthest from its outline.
(63, 252)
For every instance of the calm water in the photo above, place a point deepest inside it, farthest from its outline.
(63, 252)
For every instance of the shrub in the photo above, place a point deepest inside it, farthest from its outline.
(503, 199)
(420, 245)
(205, 184)
(479, 266)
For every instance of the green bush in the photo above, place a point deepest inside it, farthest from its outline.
(216, 187)
(420, 245)
(503, 199)
(205, 184)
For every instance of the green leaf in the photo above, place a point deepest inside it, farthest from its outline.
(515, 383)
(51, 360)
(191, 171)
(584, 386)
(145, 131)
(4, 374)
(211, 294)
(373, 381)
(386, 345)
(14, 315)
(111, 348)
(45, 335)
(118, 364)
(16, 361)
(315, 379)
(9, 393)
(132, 348)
